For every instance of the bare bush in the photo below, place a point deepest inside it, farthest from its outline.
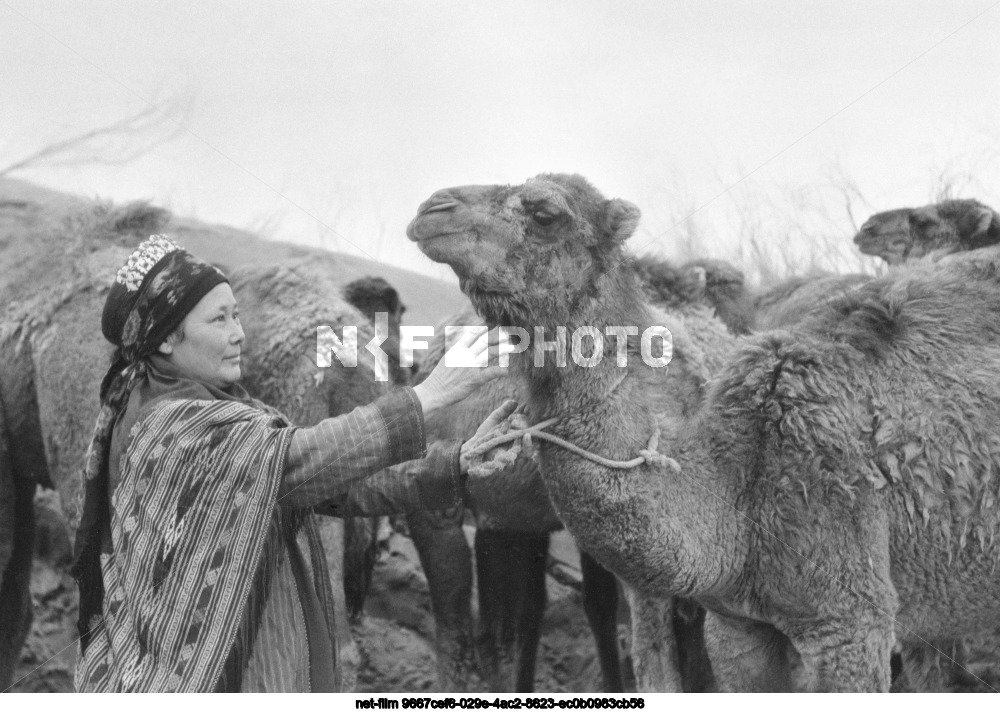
(113, 144)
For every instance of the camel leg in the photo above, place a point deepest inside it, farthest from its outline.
(9, 649)
(17, 543)
(933, 668)
(600, 604)
(692, 655)
(331, 534)
(920, 671)
(447, 564)
(747, 656)
(654, 648)
(360, 553)
(510, 567)
(847, 656)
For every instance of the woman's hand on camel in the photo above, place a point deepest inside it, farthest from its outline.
(482, 463)
(463, 368)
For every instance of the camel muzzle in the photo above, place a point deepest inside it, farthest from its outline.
(434, 218)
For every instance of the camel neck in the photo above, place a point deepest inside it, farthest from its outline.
(670, 517)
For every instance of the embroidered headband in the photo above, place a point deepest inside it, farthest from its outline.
(143, 259)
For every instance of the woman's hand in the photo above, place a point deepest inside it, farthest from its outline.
(463, 368)
(496, 424)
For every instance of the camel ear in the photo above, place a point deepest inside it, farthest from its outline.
(983, 235)
(621, 219)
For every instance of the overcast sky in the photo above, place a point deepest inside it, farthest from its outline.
(329, 122)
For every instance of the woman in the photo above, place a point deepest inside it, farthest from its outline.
(198, 499)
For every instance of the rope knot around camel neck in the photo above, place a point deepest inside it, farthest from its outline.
(649, 454)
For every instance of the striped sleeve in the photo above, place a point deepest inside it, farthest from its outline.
(326, 459)
(432, 483)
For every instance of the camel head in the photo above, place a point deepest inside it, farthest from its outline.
(669, 285)
(538, 252)
(371, 295)
(910, 233)
(954, 226)
(887, 235)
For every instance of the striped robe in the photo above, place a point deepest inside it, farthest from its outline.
(206, 583)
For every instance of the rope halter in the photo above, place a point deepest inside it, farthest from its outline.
(649, 455)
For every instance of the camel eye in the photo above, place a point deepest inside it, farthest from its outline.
(543, 219)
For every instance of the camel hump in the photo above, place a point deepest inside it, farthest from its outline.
(267, 280)
(138, 218)
(886, 343)
(944, 306)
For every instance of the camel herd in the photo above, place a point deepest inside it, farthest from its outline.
(830, 503)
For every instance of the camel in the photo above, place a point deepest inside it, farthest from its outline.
(927, 667)
(909, 233)
(371, 295)
(54, 360)
(834, 492)
(899, 236)
(514, 520)
(17, 540)
(712, 283)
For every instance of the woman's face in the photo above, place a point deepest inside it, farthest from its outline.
(209, 350)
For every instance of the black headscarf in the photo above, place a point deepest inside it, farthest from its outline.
(152, 293)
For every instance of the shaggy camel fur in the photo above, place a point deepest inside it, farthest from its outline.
(909, 233)
(937, 666)
(898, 236)
(796, 298)
(835, 493)
(514, 519)
(281, 309)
